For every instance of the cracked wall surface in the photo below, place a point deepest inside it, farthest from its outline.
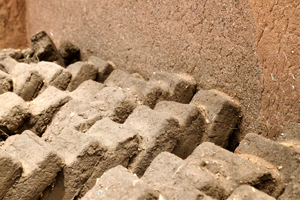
(278, 47)
(13, 32)
(247, 49)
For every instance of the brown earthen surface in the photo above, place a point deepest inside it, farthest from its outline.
(247, 49)
(13, 31)
(278, 48)
(212, 40)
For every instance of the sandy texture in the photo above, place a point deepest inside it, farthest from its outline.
(247, 49)
(278, 42)
(13, 31)
(214, 41)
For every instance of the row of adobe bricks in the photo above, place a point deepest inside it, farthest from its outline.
(260, 169)
(210, 172)
(70, 138)
(85, 130)
(84, 127)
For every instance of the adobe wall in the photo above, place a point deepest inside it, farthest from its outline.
(277, 24)
(248, 49)
(13, 32)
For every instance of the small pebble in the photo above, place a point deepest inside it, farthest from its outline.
(99, 193)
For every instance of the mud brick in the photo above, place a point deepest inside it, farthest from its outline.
(176, 179)
(120, 102)
(291, 131)
(146, 93)
(104, 68)
(81, 153)
(119, 183)
(291, 136)
(286, 159)
(44, 48)
(292, 190)
(153, 93)
(180, 87)
(81, 72)
(13, 113)
(122, 143)
(76, 115)
(192, 124)
(125, 80)
(10, 171)
(8, 64)
(222, 115)
(276, 176)
(69, 52)
(40, 165)
(247, 192)
(233, 170)
(53, 74)
(6, 82)
(158, 132)
(81, 115)
(44, 107)
(87, 90)
(10, 52)
(27, 81)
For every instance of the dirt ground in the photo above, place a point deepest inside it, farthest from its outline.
(247, 49)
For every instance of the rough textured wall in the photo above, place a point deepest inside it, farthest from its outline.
(13, 32)
(227, 45)
(277, 25)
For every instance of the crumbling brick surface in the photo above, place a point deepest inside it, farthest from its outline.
(177, 179)
(192, 126)
(81, 114)
(158, 131)
(81, 72)
(120, 102)
(179, 87)
(40, 165)
(285, 158)
(8, 64)
(234, 170)
(215, 41)
(10, 170)
(54, 74)
(130, 187)
(222, 114)
(141, 121)
(6, 83)
(87, 90)
(44, 107)
(247, 192)
(146, 94)
(81, 154)
(87, 132)
(76, 115)
(27, 81)
(122, 143)
(104, 68)
(44, 48)
(13, 113)
(292, 191)
(69, 52)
